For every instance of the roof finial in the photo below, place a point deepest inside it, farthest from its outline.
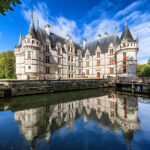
(37, 22)
(31, 24)
(125, 21)
(31, 16)
(116, 29)
(21, 30)
(20, 38)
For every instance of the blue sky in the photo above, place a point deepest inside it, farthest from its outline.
(81, 19)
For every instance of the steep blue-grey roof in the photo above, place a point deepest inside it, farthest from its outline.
(54, 38)
(126, 34)
(103, 43)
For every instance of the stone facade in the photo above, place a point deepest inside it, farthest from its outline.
(42, 54)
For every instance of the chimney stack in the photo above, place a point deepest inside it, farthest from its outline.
(99, 36)
(105, 34)
(47, 29)
(84, 43)
(68, 37)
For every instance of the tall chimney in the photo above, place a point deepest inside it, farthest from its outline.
(68, 37)
(47, 29)
(84, 43)
(99, 36)
(105, 34)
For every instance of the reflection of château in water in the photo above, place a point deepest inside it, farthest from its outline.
(113, 112)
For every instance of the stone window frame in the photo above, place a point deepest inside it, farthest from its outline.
(29, 54)
(47, 70)
(98, 62)
(111, 70)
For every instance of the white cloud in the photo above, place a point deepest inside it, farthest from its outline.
(63, 26)
(138, 23)
(100, 8)
(99, 27)
(59, 25)
(143, 61)
(40, 11)
(141, 29)
(128, 9)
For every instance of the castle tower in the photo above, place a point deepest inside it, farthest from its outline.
(19, 57)
(126, 55)
(31, 50)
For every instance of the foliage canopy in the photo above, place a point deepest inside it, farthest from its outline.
(7, 65)
(144, 70)
(6, 5)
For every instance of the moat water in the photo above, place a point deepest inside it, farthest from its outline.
(80, 120)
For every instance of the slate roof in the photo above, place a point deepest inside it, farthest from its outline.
(103, 43)
(32, 31)
(20, 41)
(126, 34)
(54, 38)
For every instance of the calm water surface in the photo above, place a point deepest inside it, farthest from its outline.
(81, 120)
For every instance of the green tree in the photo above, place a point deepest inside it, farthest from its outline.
(144, 70)
(6, 5)
(149, 61)
(7, 65)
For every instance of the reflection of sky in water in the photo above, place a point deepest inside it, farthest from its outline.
(80, 135)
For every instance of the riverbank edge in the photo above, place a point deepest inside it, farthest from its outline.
(11, 88)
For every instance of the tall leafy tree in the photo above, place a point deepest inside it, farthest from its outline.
(144, 70)
(7, 65)
(6, 5)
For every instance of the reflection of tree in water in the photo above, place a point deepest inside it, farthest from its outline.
(108, 111)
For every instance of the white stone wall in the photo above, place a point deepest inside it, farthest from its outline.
(76, 68)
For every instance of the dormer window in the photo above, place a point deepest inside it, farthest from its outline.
(87, 56)
(111, 51)
(59, 51)
(28, 40)
(68, 48)
(87, 64)
(47, 48)
(98, 54)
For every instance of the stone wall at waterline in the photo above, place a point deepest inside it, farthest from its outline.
(22, 87)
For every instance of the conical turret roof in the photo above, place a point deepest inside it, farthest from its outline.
(126, 34)
(20, 39)
(32, 31)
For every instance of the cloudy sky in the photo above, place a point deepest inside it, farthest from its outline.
(81, 19)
